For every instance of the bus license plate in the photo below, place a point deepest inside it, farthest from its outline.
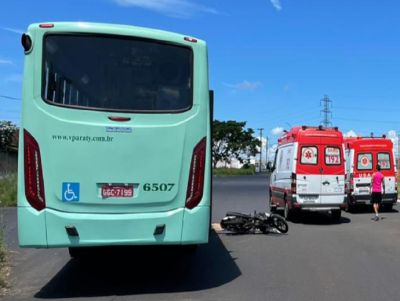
(117, 191)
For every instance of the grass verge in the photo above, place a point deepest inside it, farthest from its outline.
(8, 190)
(233, 171)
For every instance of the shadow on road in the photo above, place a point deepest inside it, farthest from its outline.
(143, 270)
(319, 218)
(367, 209)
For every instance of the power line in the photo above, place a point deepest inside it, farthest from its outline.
(9, 97)
(363, 108)
(368, 120)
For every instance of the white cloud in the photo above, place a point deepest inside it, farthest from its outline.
(392, 134)
(245, 85)
(350, 133)
(5, 62)
(277, 131)
(277, 4)
(171, 8)
(14, 30)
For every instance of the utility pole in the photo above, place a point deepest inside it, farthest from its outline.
(326, 122)
(261, 130)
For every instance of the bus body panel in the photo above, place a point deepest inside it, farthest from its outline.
(31, 228)
(182, 226)
(195, 227)
(93, 165)
(83, 148)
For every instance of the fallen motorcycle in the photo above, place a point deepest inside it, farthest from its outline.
(245, 223)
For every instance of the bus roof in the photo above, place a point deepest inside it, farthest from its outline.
(368, 143)
(310, 134)
(114, 29)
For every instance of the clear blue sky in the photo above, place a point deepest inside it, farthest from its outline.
(271, 61)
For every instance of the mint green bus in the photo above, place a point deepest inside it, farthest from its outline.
(115, 137)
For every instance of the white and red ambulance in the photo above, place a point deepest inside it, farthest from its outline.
(308, 172)
(362, 156)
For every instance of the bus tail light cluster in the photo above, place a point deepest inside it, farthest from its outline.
(196, 175)
(34, 185)
(293, 183)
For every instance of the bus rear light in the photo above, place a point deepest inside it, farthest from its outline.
(46, 25)
(34, 185)
(293, 183)
(196, 176)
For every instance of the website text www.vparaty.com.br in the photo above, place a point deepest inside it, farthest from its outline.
(79, 138)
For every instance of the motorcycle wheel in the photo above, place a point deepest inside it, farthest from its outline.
(279, 223)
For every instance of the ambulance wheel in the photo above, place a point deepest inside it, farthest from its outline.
(388, 207)
(336, 215)
(272, 209)
(287, 212)
(350, 206)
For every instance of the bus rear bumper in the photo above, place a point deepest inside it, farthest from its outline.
(181, 226)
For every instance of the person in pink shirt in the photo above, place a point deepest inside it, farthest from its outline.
(377, 183)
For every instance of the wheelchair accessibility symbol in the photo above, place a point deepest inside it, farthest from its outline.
(70, 192)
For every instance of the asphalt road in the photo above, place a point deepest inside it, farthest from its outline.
(356, 259)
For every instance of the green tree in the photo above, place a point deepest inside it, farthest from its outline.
(7, 130)
(232, 140)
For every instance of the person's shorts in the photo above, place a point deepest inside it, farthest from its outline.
(376, 197)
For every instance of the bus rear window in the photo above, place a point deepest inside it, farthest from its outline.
(364, 161)
(114, 73)
(384, 160)
(309, 155)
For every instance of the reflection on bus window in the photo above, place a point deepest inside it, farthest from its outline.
(114, 73)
